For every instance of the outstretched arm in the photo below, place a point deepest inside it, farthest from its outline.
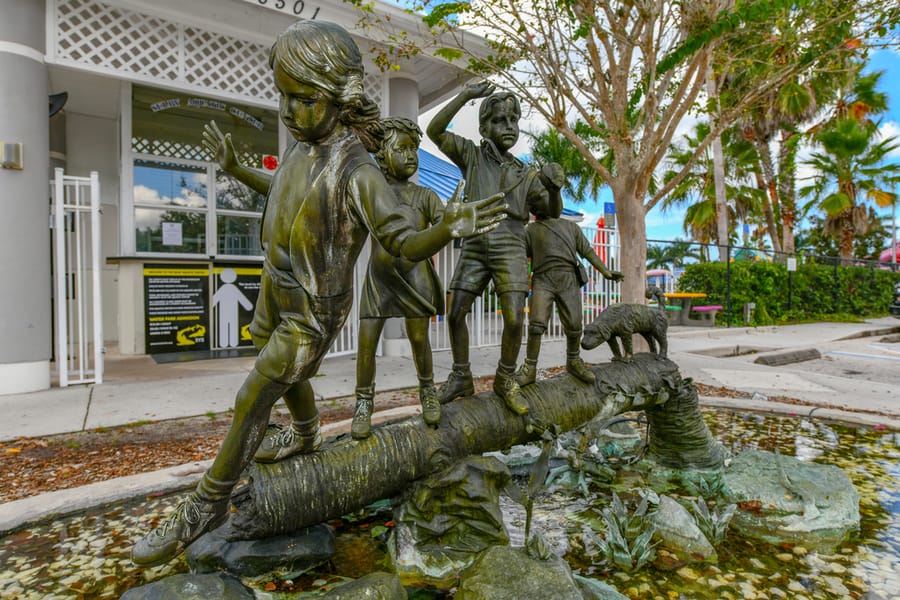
(438, 125)
(221, 147)
(587, 251)
(460, 219)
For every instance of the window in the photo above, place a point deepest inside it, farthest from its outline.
(182, 202)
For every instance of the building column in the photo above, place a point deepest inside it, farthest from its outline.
(25, 283)
(402, 101)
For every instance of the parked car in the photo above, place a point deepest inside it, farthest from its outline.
(895, 305)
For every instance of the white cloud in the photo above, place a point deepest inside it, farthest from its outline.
(188, 198)
(891, 129)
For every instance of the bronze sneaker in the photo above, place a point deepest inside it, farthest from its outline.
(527, 373)
(192, 518)
(459, 383)
(296, 438)
(431, 407)
(579, 370)
(362, 419)
(506, 386)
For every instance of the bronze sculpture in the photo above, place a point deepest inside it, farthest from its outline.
(556, 247)
(624, 320)
(324, 199)
(397, 287)
(500, 255)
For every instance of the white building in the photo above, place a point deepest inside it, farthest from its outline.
(142, 78)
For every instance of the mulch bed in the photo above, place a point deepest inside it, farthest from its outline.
(31, 466)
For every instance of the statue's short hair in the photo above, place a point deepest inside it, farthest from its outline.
(486, 110)
(391, 127)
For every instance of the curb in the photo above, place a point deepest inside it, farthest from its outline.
(63, 503)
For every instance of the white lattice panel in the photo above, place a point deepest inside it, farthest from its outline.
(114, 39)
(372, 85)
(224, 63)
(104, 36)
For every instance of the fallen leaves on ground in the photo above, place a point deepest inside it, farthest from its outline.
(31, 466)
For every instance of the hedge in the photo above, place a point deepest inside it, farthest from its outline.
(819, 292)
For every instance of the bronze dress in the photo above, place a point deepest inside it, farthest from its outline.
(397, 287)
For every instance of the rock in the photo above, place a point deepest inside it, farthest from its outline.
(688, 573)
(374, 586)
(505, 573)
(678, 533)
(592, 589)
(285, 553)
(220, 586)
(784, 556)
(784, 500)
(446, 520)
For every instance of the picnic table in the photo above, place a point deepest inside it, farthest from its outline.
(685, 302)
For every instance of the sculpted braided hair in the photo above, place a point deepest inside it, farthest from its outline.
(323, 55)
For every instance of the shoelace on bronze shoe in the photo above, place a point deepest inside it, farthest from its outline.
(190, 511)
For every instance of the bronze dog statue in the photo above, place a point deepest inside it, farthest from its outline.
(623, 320)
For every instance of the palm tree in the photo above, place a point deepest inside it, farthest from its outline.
(850, 169)
(697, 189)
(582, 181)
(671, 255)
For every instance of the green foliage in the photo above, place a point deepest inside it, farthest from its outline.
(627, 544)
(448, 54)
(704, 485)
(712, 522)
(445, 13)
(819, 291)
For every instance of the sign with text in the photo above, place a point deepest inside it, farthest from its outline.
(176, 308)
(235, 290)
(295, 8)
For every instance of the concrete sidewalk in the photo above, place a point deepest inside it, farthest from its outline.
(857, 374)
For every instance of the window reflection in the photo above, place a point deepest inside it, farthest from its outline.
(159, 230)
(238, 236)
(169, 184)
(234, 195)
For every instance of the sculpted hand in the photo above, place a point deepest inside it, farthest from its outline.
(614, 275)
(465, 219)
(220, 146)
(480, 89)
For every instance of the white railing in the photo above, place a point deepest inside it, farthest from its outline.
(76, 270)
(486, 317)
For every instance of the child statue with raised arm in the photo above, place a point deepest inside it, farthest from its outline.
(498, 256)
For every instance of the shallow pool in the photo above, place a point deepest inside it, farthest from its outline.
(88, 556)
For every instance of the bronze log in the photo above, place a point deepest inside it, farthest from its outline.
(346, 475)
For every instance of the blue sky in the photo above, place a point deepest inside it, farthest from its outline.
(668, 226)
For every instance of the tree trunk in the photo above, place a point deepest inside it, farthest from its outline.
(772, 207)
(787, 192)
(718, 172)
(346, 475)
(633, 237)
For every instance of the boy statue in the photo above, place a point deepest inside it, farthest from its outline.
(554, 246)
(324, 199)
(397, 287)
(498, 256)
